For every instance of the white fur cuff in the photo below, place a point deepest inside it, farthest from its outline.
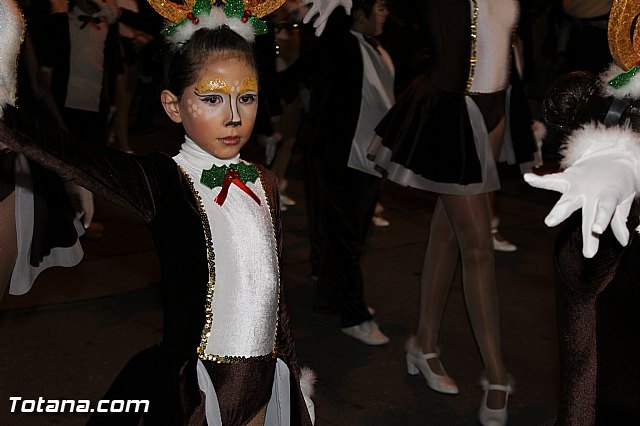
(595, 138)
(307, 384)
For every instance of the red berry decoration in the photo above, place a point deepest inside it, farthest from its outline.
(244, 19)
(196, 21)
(190, 16)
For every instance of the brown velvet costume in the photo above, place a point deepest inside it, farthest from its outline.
(598, 327)
(153, 188)
(428, 129)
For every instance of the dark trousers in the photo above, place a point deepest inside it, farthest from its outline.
(342, 204)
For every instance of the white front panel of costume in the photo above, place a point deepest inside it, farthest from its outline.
(246, 290)
(245, 296)
(496, 21)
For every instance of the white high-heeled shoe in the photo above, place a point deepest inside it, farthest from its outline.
(489, 416)
(417, 363)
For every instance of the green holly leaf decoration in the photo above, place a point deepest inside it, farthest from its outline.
(624, 78)
(259, 27)
(201, 6)
(215, 175)
(234, 8)
(168, 32)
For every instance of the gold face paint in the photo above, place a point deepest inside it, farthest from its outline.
(214, 114)
(249, 85)
(214, 85)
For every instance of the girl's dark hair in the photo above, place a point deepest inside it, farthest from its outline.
(576, 98)
(186, 62)
(573, 100)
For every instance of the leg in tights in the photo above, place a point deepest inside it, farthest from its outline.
(8, 244)
(496, 138)
(465, 220)
(438, 269)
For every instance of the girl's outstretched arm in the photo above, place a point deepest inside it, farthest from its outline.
(135, 183)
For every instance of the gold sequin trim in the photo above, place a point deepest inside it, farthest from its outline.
(474, 40)
(206, 331)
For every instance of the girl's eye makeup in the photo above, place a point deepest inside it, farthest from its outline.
(210, 99)
(247, 98)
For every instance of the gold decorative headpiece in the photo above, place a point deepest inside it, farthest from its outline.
(624, 33)
(242, 16)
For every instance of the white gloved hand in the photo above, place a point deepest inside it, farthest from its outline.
(603, 185)
(82, 201)
(323, 9)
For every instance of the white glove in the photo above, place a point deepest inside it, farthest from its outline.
(323, 9)
(82, 201)
(602, 184)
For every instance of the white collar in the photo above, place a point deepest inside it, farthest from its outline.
(197, 157)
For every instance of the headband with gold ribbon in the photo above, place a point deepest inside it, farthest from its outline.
(242, 16)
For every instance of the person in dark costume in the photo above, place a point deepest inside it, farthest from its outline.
(444, 135)
(37, 226)
(341, 69)
(227, 354)
(596, 265)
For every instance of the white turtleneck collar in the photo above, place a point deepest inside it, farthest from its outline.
(192, 154)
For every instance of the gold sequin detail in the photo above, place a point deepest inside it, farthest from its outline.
(215, 85)
(249, 85)
(171, 11)
(174, 12)
(474, 40)
(624, 39)
(260, 8)
(208, 313)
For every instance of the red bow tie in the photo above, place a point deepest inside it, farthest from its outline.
(232, 177)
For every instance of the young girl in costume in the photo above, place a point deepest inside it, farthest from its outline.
(227, 355)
